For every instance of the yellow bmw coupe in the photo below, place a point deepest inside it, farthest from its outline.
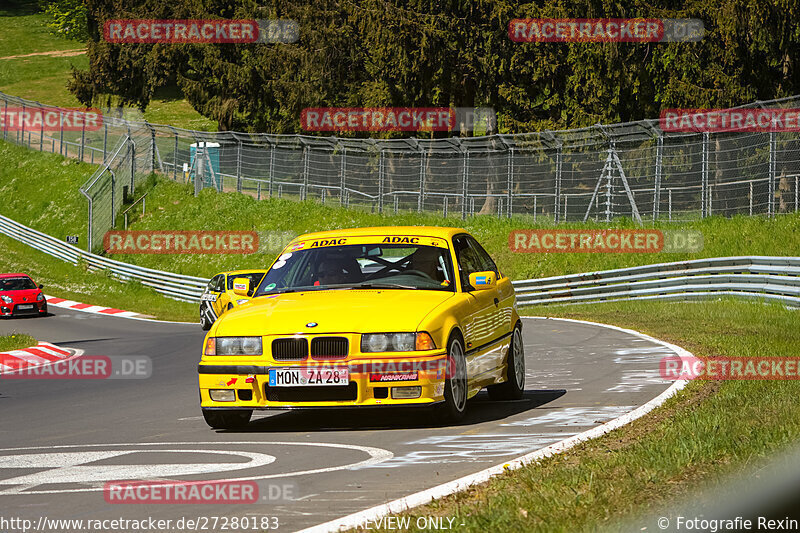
(368, 317)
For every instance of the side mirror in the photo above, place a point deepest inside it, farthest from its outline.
(482, 281)
(41, 286)
(241, 286)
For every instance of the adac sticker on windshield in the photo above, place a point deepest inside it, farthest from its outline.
(327, 242)
(400, 240)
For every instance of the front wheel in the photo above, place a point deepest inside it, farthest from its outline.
(455, 384)
(205, 323)
(514, 387)
(233, 419)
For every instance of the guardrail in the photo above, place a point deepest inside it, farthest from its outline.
(177, 286)
(755, 277)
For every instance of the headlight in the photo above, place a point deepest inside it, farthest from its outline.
(233, 346)
(7, 299)
(240, 302)
(396, 342)
(40, 298)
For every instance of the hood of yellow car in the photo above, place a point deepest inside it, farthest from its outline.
(334, 311)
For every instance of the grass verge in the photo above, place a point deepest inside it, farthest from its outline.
(65, 280)
(708, 430)
(15, 341)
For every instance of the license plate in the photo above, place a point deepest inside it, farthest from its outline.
(308, 377)
(25, 306)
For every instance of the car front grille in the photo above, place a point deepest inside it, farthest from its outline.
(326, 348)
(292, 349)
(337, 393)
(18, 311)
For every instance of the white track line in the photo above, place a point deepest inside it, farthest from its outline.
(446, 489)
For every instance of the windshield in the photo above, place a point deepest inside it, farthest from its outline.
(361, 266)
(16, 284)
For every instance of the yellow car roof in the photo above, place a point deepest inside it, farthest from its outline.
(248, 271)
(418, 231)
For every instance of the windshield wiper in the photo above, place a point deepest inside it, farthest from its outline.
(371, 285)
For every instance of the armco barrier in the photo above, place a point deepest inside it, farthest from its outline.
(177, 286)
(756, 277)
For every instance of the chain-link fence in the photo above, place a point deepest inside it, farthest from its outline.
(597, 173)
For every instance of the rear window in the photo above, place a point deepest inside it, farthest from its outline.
(16, 284)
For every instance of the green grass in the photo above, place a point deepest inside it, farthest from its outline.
(44, 78)
(707, 431)
(15, 341)
(65, 280)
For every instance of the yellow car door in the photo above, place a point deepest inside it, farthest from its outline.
(480, 323)
(221, 300)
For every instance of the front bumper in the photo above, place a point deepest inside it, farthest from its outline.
(363, 390)
(39, 308)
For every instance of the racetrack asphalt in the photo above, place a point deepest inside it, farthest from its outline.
(62, 440)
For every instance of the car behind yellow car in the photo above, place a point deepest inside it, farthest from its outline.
(219, 295)
(368, 317)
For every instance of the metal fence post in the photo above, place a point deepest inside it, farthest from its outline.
(304, 192)
(421, 197)
(239, 166)
(113, 197)
(704, 178)
(380, 181)
(465, 185)
(132, 147)
(61, 127)
(105, 142)
(559, 159)
(669, 206)
(175, 156)
(510, 185)
(773, 145)
(342, 173)
(22, 125)
(152, 148)
(83, 138)
(41, 137)
(659, 161)
(5, 114)
(271, 165)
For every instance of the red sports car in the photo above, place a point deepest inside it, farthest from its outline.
(19, 296)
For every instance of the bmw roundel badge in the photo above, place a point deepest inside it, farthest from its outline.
(311, 325)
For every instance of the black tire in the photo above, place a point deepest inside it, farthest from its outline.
(455, 384)
(233, 419)
(204, 322)
(514, 387)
